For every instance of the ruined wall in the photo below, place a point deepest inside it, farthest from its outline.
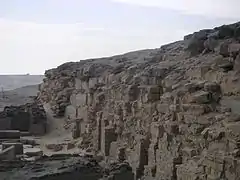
(161, 110)
(29, 117)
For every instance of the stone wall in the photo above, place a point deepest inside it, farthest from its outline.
(158, 109)
(29, 117)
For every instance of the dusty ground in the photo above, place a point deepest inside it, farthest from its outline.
(57, 134)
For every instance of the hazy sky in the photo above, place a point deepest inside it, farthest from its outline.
(36, 35)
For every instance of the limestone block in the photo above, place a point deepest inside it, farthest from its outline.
(81, 99)
(18, 147)
(152, 154)
(5, 123)
(108, 136)
(133, 92)
(154, 93)
(93, 82)
(157, 131)
(70, 112)
(31, 152)
(172, 127)
(78, 83)
(9, 134)
(113, 150)
(76, 130)
(194, 109)
(162, 108)
(8, 154)
(194, 86)
(38, 129)
(212, 87)
(201, 97)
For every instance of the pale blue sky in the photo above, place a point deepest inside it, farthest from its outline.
(40, 34)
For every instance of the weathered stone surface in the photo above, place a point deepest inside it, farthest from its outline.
(29, 117)
(9, 134)
(8, 154)
(18, 147)
(54, 147)
(161, 110)
(33, 152)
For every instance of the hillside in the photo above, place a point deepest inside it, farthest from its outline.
(10, 82)
(17, 89)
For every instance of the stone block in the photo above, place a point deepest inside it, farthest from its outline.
(8, 154)
(157, 131)
(193, 109)
(212, 87)
(113, 150)
(93, 82)
(18, 147)
(32, 152)
(5, 123)
(9, 134)
(108, 136)
(81, 99)
(201, 97)
(162, 108)
(154, 93)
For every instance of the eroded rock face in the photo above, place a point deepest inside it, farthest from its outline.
(29, 117)
(159, 109)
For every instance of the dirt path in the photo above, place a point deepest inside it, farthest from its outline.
(57, 135)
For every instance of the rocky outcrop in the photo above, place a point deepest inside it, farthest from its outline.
(28, 117)
(161, 110)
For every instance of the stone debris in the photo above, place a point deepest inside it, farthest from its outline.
(9, 134)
